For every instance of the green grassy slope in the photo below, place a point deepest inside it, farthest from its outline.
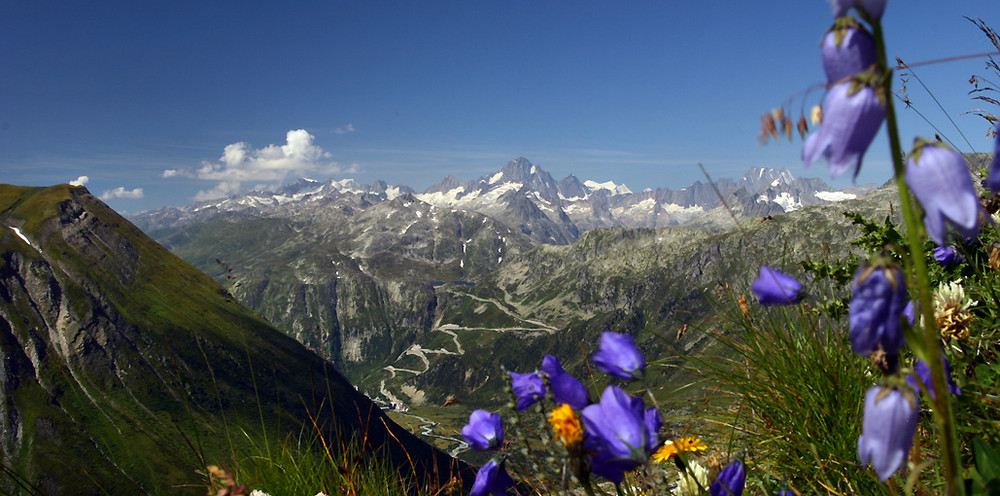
(125, 364)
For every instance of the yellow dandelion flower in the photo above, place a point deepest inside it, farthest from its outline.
(690, 444)
(566, 425)
(666, 452)
(686, 444)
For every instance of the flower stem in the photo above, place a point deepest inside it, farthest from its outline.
(931, 345)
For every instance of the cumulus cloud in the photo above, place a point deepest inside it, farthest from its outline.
(241, 163)
(121, 192)
(221, 190)
(346, 128)
(80, 181)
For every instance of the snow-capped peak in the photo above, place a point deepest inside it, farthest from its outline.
(614, 189)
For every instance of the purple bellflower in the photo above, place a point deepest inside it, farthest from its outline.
(946, 255)
(484, 432)
(890, 420)
(940, 179)
(730, 481)
(621, 433)
(786, 492)
(852, 114)
(773, 287)
(993, 179)
(910, 311)
(847, 49)
(565, 388)
(923, 371)
(492, 479)
(876, 309)
(529, 388)
(874, 8)
(618, 355)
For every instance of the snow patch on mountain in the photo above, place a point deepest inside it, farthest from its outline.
(614, 189)
(673, 208)
(787, 201)
(834, 196)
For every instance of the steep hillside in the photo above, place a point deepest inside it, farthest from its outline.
(125, 370)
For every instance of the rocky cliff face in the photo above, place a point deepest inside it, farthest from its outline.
(122, 362)
(357, 283)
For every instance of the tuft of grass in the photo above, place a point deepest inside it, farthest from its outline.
(789, 390)
(305, 465)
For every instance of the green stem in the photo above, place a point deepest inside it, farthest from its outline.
(931, 346)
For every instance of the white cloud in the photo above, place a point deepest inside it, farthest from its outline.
(121, 192)
(346, 128)
(221, 190)
(80, 181)
(272, 164)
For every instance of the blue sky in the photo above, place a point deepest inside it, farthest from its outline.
(186, 100)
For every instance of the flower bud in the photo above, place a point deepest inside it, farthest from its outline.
(993, 179)
(877, 302)
(847, 49)
(618, 355)
(772, 287)
(730, 481)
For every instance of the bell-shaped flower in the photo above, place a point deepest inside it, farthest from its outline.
(621, 433)
(730, 481)
(847, 49)
(910, 311)
(493, 479)
(853, 112)
(484, 432)
(529, 388)
(993, 178)
(890, 420)
(566, 389)
(873, 8)
(947, 255)
(923, 371)
(939, 177)
(773, 287)
(876, 309)
(618, 355)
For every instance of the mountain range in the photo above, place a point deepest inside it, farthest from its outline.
(420, 297)
(523, 196)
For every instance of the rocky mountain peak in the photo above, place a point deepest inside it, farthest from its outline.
(571, 187)
(443, 186)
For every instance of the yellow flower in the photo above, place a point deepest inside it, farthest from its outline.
(566, 425)
(686, 444)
